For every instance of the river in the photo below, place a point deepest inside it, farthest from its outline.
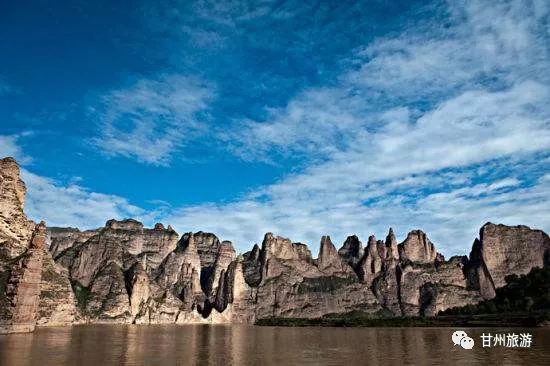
(252, 345)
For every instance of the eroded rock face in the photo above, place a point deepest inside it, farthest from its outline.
(137, 282)
(21, 277)
(330, 262)
(352, 251)
(445, 280)
(126, 273)
(417, 248)
(503, 250)
(57, 304)
(371, 264)
(224, 257)
(15, 229)
(252, 266)
(21, 254)
(392, 251)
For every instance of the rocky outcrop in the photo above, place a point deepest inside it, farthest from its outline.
(330, 262)
(392, 252)
(371, 264)
(431, 287)
(21, 288)
(15, 229)
(503, 250)
(180, 274)
(252, 266)
(127, 273)
(57, 304)
(417, 248)
(22, 252)
(224, 257)
(352, 251)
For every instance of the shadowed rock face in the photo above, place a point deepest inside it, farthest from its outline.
(352, 251)
(125, 273)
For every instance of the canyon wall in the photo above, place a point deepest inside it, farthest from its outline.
(126, 273)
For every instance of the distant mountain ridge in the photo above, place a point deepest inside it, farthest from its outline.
(125, 273)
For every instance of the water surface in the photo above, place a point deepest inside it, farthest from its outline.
(249, 345)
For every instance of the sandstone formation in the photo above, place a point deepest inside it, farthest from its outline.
(502, 250)
(126, 273)
(352, 251)
(27, 270)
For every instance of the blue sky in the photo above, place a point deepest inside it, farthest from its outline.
(297, 117)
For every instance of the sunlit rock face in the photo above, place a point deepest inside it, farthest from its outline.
(23, 258)
(127, 273)
(15, 229)
(417, 248)
(501, 250)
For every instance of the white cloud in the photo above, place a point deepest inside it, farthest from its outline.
(448, 206)
(376, 159)
(152, 119)
(487, 47)
(318, 120)
(74, 205)
(10, 147)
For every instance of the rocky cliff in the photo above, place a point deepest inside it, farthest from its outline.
(33, 288)
(126, 273)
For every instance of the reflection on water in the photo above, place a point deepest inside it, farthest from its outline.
(248, 345)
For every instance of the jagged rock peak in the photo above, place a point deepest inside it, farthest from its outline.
(12, 188)
(278, 247)
(39, 236)
(303, 251)
(15, 228)
(372, 240)
(371, 262)
(391, 246)
(254, 253)
(126, 224)
(208, 246)
(187, 242)
(417, 248)
(327, 251)
(352, 250)
(502, 250)
(330, 262)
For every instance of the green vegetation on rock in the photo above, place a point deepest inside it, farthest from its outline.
(82, 295)
(528, 293)
(323, 284)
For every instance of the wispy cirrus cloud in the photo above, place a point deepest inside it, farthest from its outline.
(464, 97)
(478, 48)
(9, 146)
(151, 119)
(442, 126)
(70, 204)
(67, 203)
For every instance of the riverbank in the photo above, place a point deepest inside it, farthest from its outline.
(366, 320)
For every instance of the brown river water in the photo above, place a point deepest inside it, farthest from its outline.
(250, 345)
